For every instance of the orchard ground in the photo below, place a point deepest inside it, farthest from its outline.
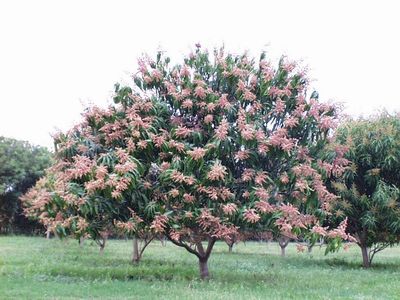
(36, 268)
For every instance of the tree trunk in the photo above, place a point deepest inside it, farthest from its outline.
(230, 248)
(136, 255)
(283, 251)
(81, 241)
(102, 245)
(283, 242)
(365, 257)
(309, 248)
(204, 274)
(48, 234)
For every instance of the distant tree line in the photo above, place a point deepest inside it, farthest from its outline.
(21, 165)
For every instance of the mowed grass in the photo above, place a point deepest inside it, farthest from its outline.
(36, 268)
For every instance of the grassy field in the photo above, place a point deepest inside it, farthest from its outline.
(36, 268)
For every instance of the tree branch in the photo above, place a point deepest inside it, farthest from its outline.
(181, 244)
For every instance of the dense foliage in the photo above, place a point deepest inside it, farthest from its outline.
(197, 152)
(369, 187)
(21, 165)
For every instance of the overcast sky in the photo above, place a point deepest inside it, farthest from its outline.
(57, 56)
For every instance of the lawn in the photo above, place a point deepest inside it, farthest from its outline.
(36, 268)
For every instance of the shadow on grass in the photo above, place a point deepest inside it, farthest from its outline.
(355, 265)
(152, 270)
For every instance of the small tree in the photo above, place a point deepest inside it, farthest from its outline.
(199, 149)
(370, 185)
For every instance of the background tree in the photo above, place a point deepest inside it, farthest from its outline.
(369, 187)
(21, 165)
(199, 149)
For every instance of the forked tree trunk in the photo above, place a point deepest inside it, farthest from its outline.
(204, 274)
(283, 251)
(102, 245)
(365, 257)
(283, 242)
(136, 254)
(230, 247)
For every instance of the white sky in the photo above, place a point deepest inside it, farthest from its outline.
(56, 55)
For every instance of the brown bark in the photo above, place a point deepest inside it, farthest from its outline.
(362, 243)
(102, 245)
(135, 255)
(283, 242)
(365, 256)
(204, 274)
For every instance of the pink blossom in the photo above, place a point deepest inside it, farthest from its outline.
(261, 178)
(177, 176)
(185, 71)
(241, 86)
(319, 230)
(217, 172)
(249, 96)
(247, 132)
(221, 132)
(182, 131)
(262, 194)
(188, 198)
(141, 144)
(165, 165)
(264, 207)
(327, 122)
(301, 185)
(197, 153)
(81, 167)
(284, 178)
(251, 216)
(208, 119)
(242, 155)
(180, 147)
(200, 92)
(174, 193)
(125, 168)
(159, 223)
(279, 106)
(247, 175)
(189, 180)
(223, 102)
(187, 104)
(101, 172)
(229, 209)
(156, 74)
(291, 122)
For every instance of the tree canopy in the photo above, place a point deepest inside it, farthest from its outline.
(21, 165)
(369, 188)
(197, 151)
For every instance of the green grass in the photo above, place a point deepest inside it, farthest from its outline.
(36, 268)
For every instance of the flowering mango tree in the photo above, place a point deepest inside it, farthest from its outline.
(200, 150)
